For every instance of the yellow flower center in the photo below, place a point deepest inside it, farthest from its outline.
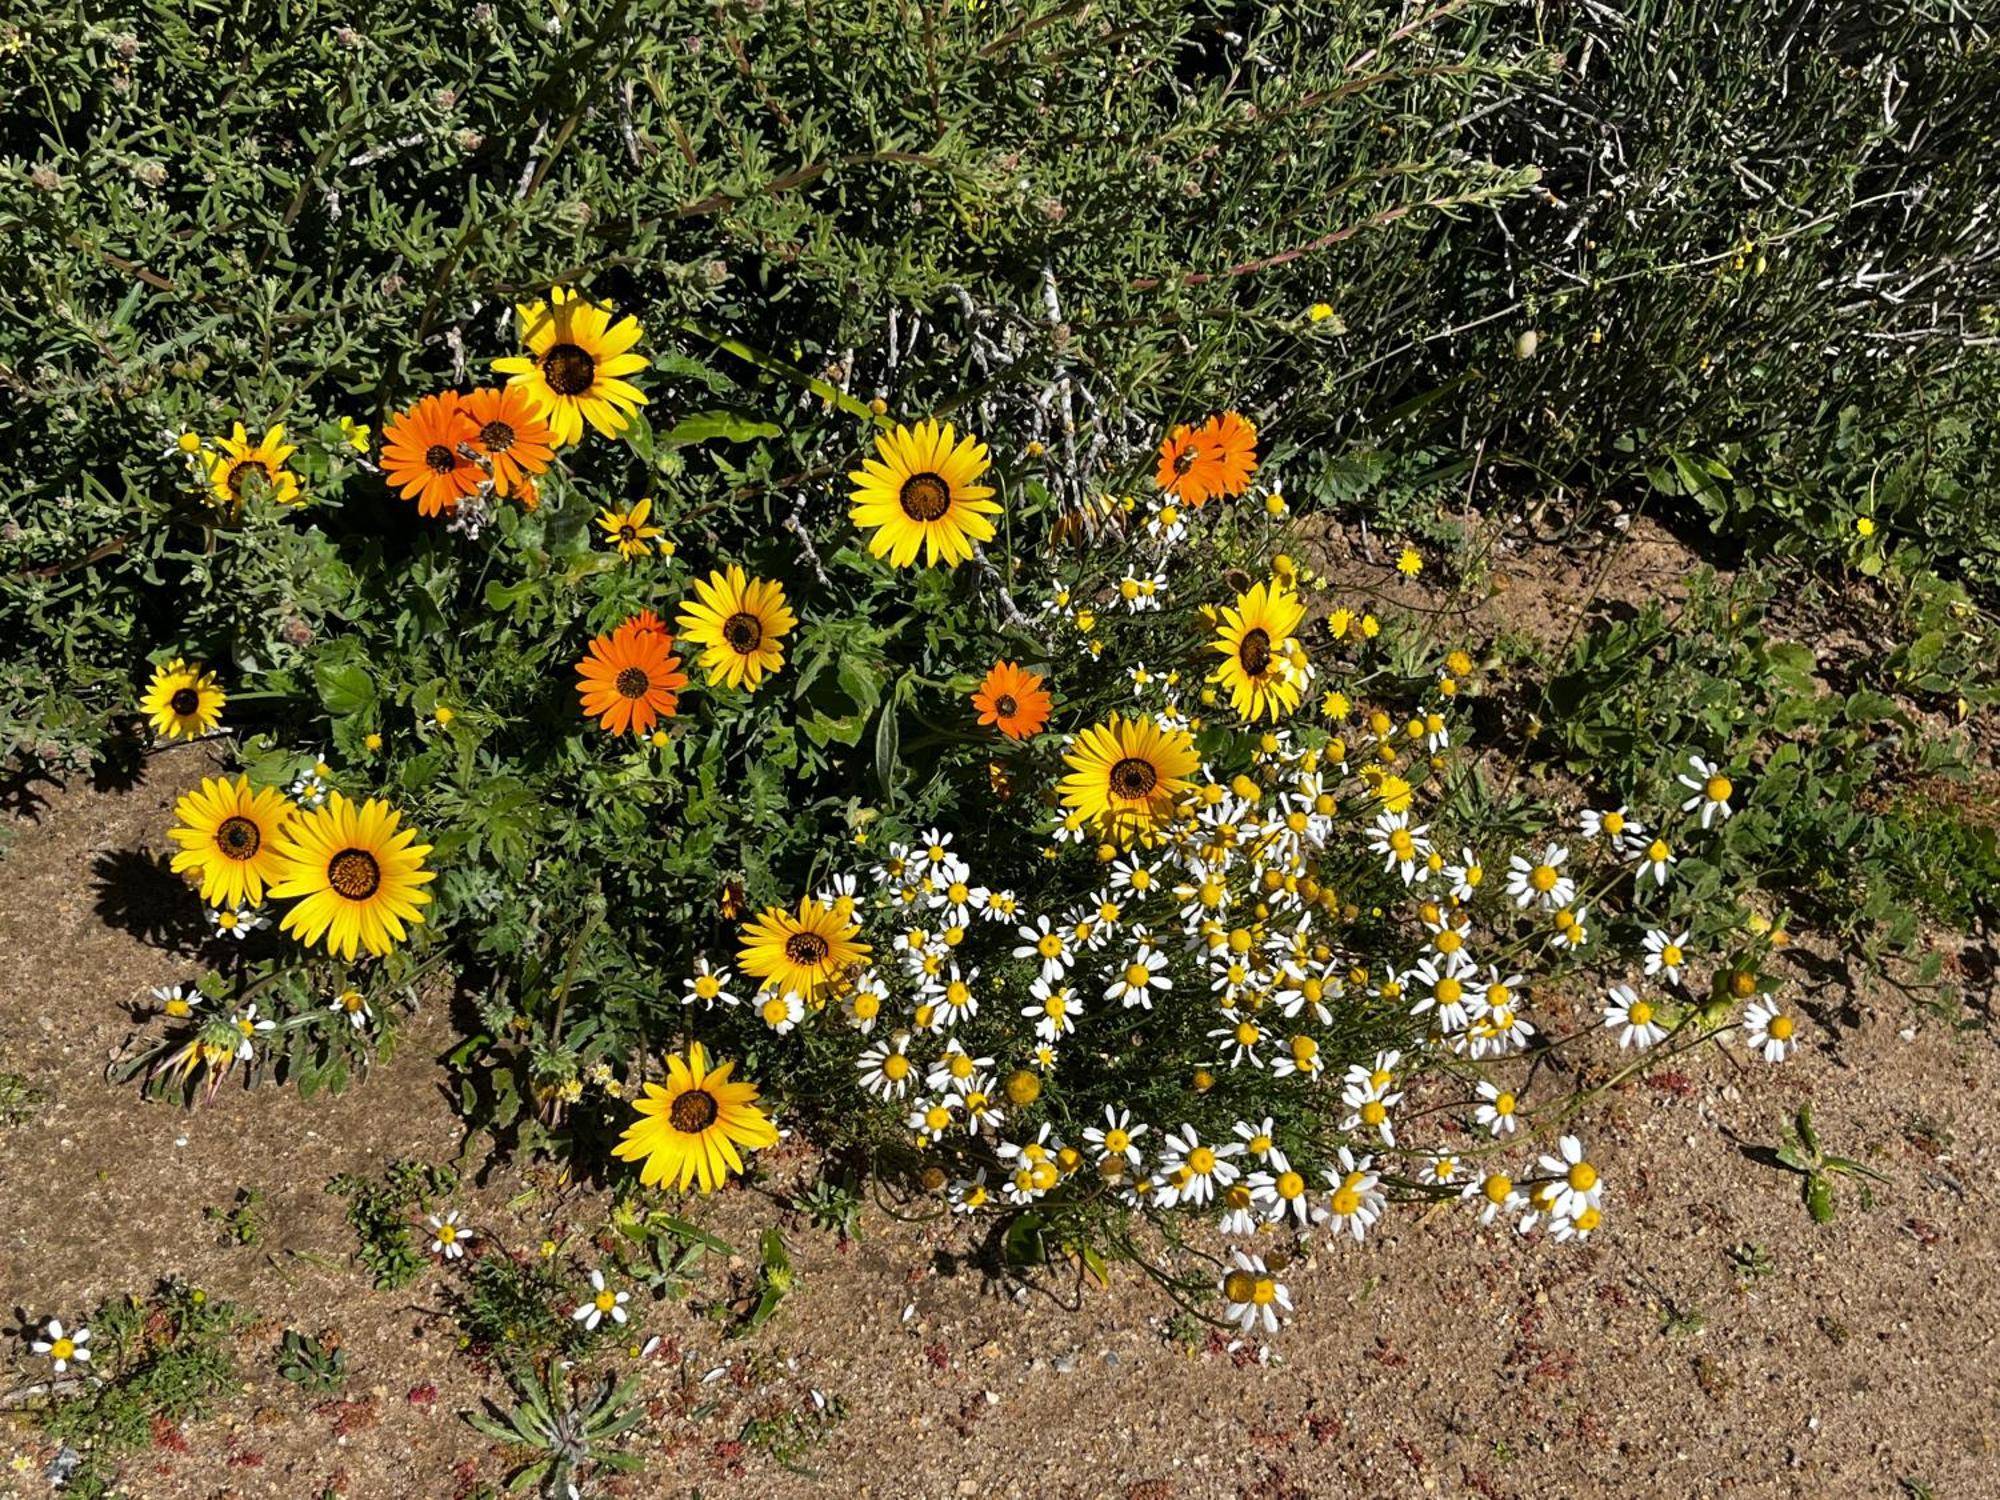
(1613, 823)
(1498, 1188)
(604, 1301)
(1781, 1028)
(1671, 956)
(1639, 1013)
(62, 1348)
(895, 1067)
(1717, 789)
(1374, 1112)
(1504, 1104)
(1201, 1161)
(1450, 991)
(1346, 1202)
(1136, 975)
(1582, 1177)
(1543, 878)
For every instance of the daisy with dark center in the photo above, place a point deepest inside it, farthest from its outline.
(923, 492)
(803, 954)
(1012, 700)
(1127, 775)
(427, 454)
(696, 1127)
(359, 878)
(576, 366)
(183, 701)
(1260, 652)
(229, 838)
(238, 463)
(630, 679)
(628, 531)
(739, 623)
(514, 436)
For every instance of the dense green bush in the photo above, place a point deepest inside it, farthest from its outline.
(216, 215)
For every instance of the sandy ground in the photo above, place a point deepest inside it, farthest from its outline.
(1858, 1360)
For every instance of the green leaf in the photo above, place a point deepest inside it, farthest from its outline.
(729, 426)
(344, 687)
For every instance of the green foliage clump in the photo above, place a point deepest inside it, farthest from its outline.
(382, 1211)
(159, 1359)
(315, 1363)
(1825, 828)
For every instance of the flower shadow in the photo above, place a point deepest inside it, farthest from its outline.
(138, 893)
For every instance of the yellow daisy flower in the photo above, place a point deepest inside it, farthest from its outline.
(804, 954)
(1127, 775)
(1261, 655)
(924, 492)
(627, 529)
(738, 622)
(359, 879)
(229, 835)
(576, 366)
(690, 1130)
(183, 701)
(239, 458)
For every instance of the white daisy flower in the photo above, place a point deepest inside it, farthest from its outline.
(1625, 1009)
(1578, 1185)
(601, 1304)
(1712, 790)
(60, 1347)
(1254, 1299)
(236, 921)
(449, 1237)
(1665, 954)
(353, 1005)
(1541, 881)
(1769, 1030)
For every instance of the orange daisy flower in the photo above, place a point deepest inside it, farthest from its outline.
(646, 620)
(1232, 443)
(423, 454)
(1013, 700)
(629, 679)
(1216, 458)
(513, 435)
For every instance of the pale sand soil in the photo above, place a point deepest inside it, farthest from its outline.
(1438, 1359)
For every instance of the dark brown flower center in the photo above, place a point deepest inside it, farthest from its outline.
(496, 437)
(184, 702)
(1133, 777)
(744, 632)
(1254, 652)
(240, 471)
(1005, 706)
(353, 873)
(440, 459)
(694, 1111)
(1184, 460)
(238, 837)
(569, 370)
(925, 497)
(807, 949)
(628, 533)
(633, 683)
